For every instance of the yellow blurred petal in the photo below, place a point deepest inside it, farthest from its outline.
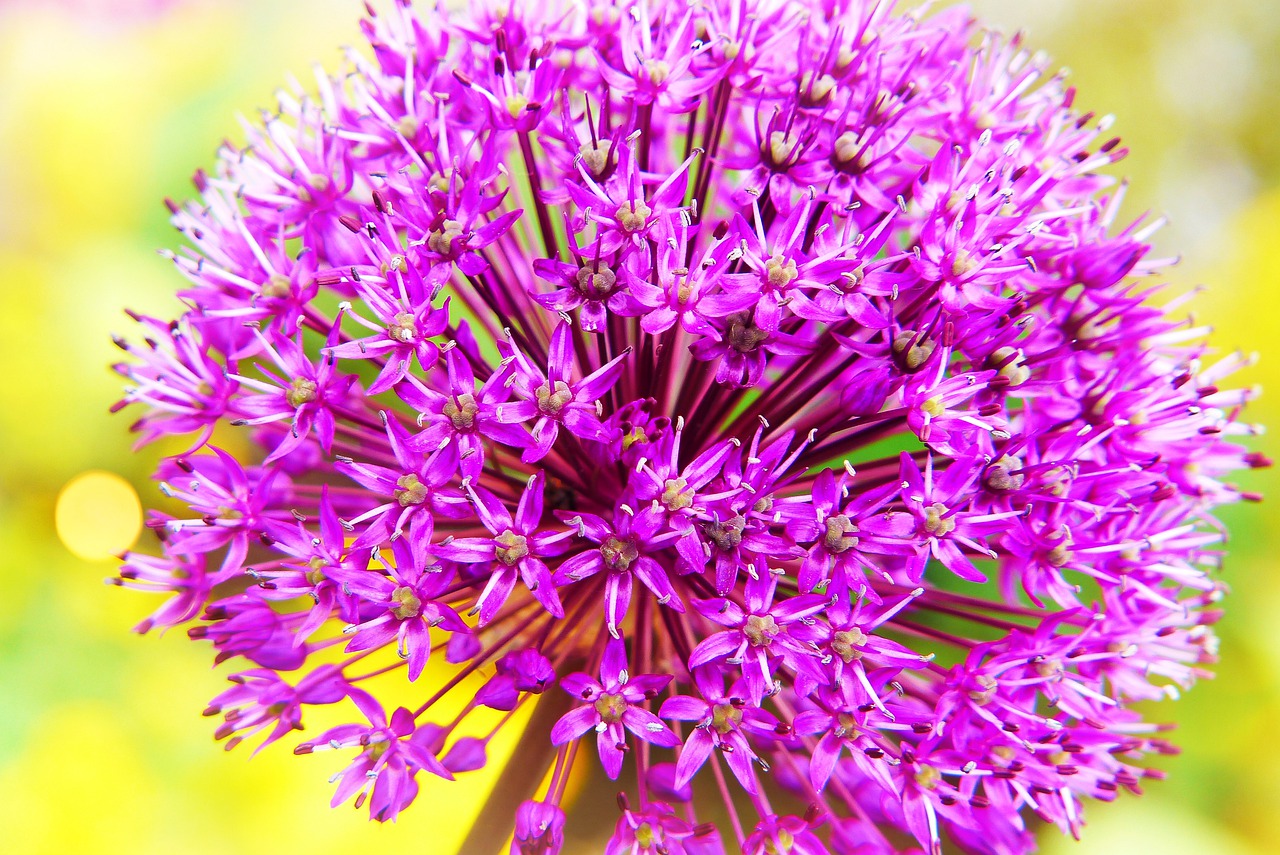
(67, 792)
(1133, 826)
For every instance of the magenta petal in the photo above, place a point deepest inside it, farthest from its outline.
(580, 685)
(583, 423)
(640, 684)
(653, 577)
(545, 432)
(693, 756)
(615, 660)
(683, 708)
(529, 511)
(795, 608)
(495, 594)
(649, 727)
(740, 760)
(465, 755)
(516, 412)
(537, 577)
(368, 706)
(560, 356)
(719, 646)
(573, 724)
(499, 693)
(723, 611)
(608, 744)
(592, 316)
(811, 721)
(468, 550)
(352, 780)
(418, 641)
(659, 320)
(617, 599)
(578, 567)
(823, 762)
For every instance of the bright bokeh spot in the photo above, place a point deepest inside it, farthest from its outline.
(98, 515)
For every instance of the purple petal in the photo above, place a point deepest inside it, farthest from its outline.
(646, 684)
(812, 721)
(537, 577)
(581, 685)
(825, 755)
(653, 577)
(529, 512)
(515, 412)
(499, 693)
(578, 567)
(693, 756)
(802, 606)
(609, 743)
(615, 661)
(466, 550)
(617, 599)
(720, 646)
(573, 724)
(723, 611)
(402, 722)
(649, 727)
(582, 422)
(560, 359)
(370, 708)
(739, 760)
(465, 755)
(684, 708)
(544, 436)
(495, 593)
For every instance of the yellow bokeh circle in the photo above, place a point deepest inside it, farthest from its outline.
(98, 515)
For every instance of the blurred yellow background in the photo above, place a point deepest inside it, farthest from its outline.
(106, 107)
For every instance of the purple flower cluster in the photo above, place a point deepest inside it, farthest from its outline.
(760, 391)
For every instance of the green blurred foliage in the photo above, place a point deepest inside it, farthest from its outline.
(108, 107)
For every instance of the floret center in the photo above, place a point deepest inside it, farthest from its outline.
(511, 547)
(611, 708)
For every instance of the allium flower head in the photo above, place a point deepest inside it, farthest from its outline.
(761, 391)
